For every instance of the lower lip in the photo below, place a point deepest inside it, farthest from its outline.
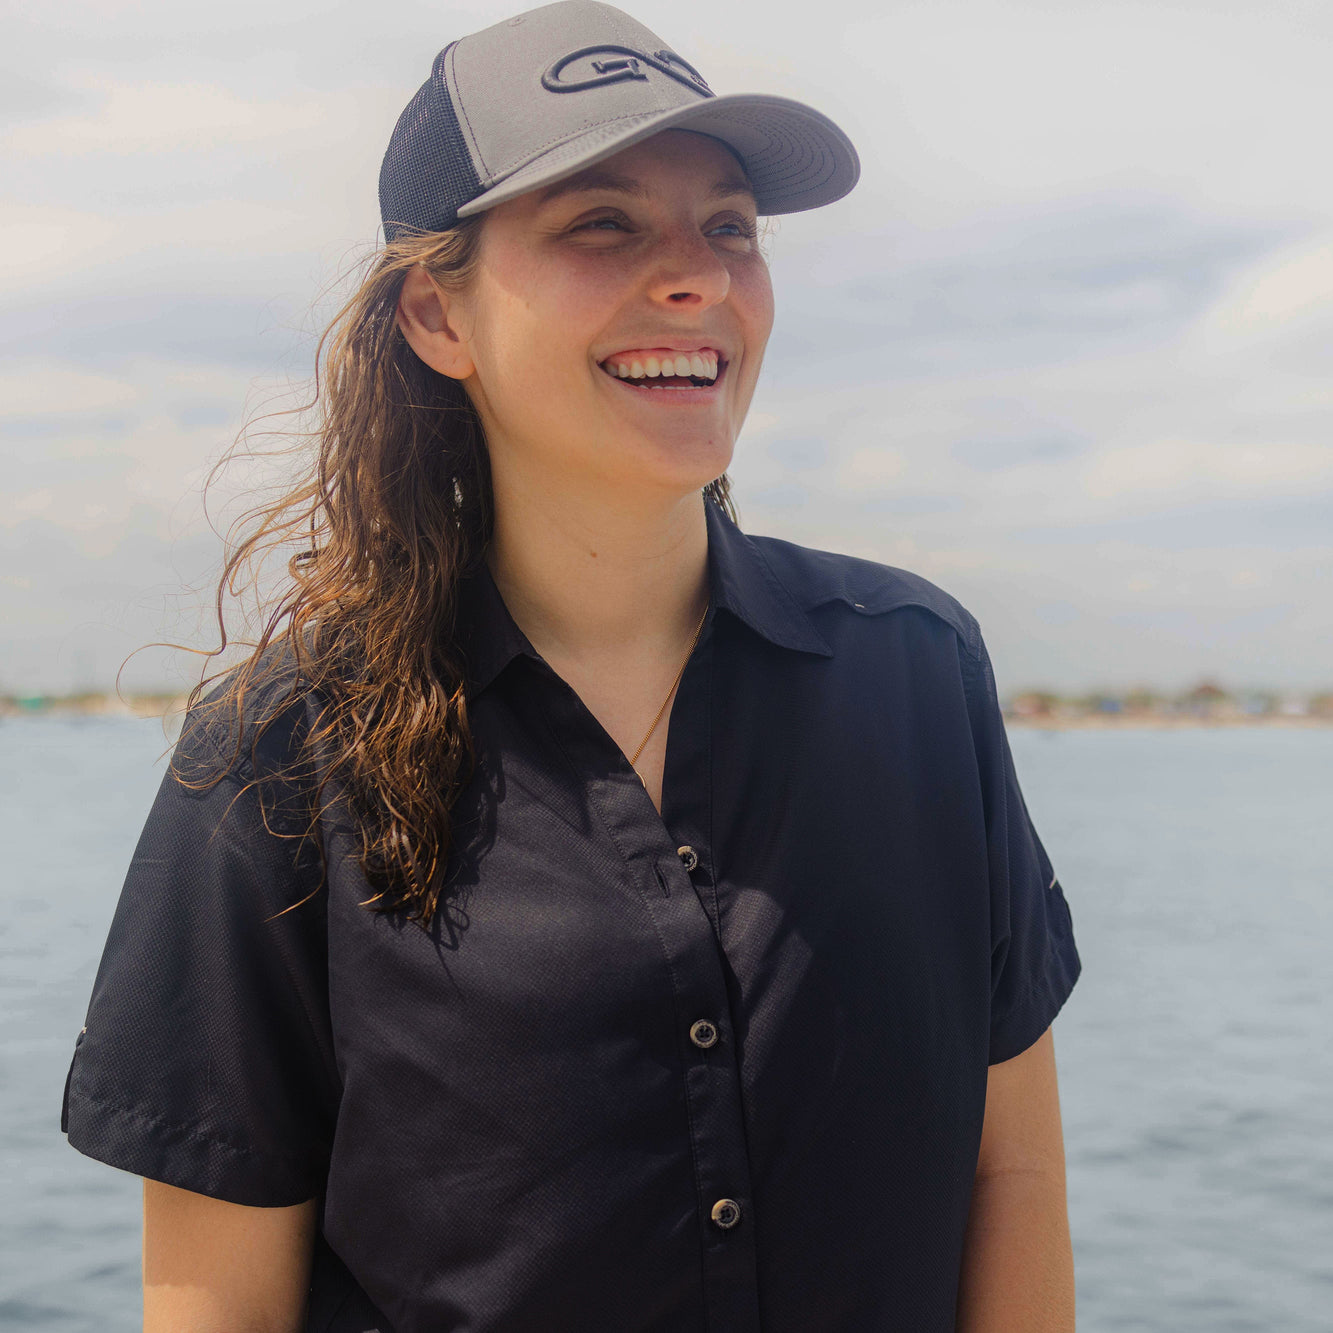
(699, 396)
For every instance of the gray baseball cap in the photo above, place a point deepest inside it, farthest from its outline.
(539, 96)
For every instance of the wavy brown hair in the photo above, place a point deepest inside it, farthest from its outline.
(390, 507)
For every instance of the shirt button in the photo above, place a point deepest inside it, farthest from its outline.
(689, 858)
(726, 1213)
(703, 1034)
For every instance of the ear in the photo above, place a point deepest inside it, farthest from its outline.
(435, 324)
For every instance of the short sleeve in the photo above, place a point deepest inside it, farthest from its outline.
(1034, 961)
(206, 1061)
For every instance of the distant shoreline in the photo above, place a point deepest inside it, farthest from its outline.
(1120, 722)
(159, 706)
(95, 705)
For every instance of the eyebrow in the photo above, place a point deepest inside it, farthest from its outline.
(587, 181)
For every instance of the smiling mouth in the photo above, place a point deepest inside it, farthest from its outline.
(693, 371)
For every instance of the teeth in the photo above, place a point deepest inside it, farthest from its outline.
(700, 365)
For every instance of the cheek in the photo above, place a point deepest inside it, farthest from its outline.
(536, 331)
(531, 349)
(755, 296)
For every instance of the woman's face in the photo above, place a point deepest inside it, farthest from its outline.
(647, 257)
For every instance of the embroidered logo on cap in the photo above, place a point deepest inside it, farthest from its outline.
(621, 62)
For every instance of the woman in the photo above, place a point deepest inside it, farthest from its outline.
(576, 914)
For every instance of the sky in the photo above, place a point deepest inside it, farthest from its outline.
(1065, 350)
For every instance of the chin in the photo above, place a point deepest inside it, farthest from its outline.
(687, 466)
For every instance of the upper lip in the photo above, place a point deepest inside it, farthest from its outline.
(686, 348)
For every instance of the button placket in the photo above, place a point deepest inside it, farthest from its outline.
(668, 852)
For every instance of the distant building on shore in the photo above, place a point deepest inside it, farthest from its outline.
(1206, 703)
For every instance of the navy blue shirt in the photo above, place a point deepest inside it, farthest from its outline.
(720, 1069)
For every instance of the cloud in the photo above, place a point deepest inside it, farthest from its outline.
(25, 98)
(41, 391)
(1199, 470)
(1284, 292)
(105, 332)
(1046, 286)
(129, 119)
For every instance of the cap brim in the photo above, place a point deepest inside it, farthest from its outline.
(796, 157)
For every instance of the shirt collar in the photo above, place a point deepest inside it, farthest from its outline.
(745, 584)
(742, 583)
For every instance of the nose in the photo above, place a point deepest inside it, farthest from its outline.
(687, 271)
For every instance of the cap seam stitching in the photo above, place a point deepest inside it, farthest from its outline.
(451, 78)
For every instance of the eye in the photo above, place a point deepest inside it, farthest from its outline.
(597, 224)
(742, 227)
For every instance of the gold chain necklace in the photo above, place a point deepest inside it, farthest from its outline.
(698, 629)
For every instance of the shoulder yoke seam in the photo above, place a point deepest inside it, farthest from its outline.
(953, 614)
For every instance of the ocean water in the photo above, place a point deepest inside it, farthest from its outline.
(1194, 1054)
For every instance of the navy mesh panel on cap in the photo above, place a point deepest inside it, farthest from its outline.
(427, 174)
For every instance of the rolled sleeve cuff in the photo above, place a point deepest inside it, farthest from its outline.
(181, 1155)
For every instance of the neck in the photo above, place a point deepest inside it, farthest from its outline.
(589, 579)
